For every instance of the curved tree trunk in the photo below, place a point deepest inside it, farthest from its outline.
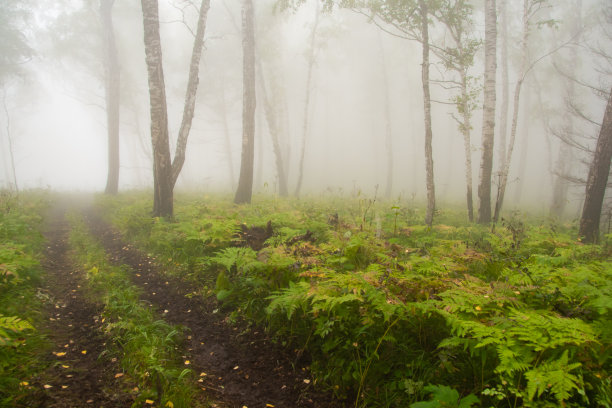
(597, 181)
(429, 169)
(488, 120)
(245, 182)
(112, 96)
(162, 167)
(190, 96)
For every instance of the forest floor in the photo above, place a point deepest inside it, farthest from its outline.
(236, 365)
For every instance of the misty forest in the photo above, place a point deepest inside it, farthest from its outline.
(306, 203)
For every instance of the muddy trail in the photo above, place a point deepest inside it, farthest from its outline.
(77, 373)
(236, 367)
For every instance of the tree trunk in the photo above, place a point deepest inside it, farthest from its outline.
(488, 122)
(597, 180)
(466, 127)
(505, 85)
(429, 169)
(227, 139)
(505, 169)
(112, 95)
(388, 129)
(162, 168)
(311, 62)
(190, 96)
(273, 127)
(10, 139)
(245, 182)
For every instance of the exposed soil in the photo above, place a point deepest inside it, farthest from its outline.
(77, 373)
(237, 367)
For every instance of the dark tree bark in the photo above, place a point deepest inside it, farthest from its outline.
(597, 180)
(488, 122)
(245, 182)
(112, 96)
(429, 168)
(162, 167)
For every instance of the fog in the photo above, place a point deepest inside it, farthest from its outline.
(364, 81)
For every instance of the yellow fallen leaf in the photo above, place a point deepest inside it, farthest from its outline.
(187, 362)
(478, 308)
(60, 354)
(270, 405)
(64, 387)
(24, 383)
(84, 352)
(65, 366)
(150, 402)
(47, 386)
(202, 374)
(118, 375)
(169, 404)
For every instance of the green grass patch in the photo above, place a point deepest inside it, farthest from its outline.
(148, 348)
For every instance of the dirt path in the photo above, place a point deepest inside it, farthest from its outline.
(242, 369)
(78, 376)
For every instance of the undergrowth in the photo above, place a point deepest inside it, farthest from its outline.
(20, 274)
(394, 313)
(146, 346)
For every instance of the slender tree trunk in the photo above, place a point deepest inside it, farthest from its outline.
(10, 139)
(190, 95)
(524, 149)
(227, 138)
(505, 85)
(273, 127)
(488, 122)
(597, 180)
(429, 169)
(388, 129)
(467, 144)
(505, 170)
(112, 96)
(162, 167)
(245, 182)
(311, 62)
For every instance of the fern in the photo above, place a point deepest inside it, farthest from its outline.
(554, 375)
(9, 325)
(445, 397)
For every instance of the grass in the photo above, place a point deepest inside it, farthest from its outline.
(147, 347)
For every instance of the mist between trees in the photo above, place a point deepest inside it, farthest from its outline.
(493, 105)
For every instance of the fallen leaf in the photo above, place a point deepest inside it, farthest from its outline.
(65, 366)
(187, 362)
(24, 383)
(270, 405)
(84, 352)
(169, 404)
(47, 386)
(306, 381)
(202, 374)
(235, 368)
(60, 354)
(150, 402)
(64, 387)
(118, 375)
(89, 401)
(478, 308)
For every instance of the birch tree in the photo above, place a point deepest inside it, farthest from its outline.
(165, 171)
(488, 114)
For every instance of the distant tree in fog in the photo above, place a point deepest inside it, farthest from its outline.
(245, 182)
(166, 172)
(112, 81)
(14, 48)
